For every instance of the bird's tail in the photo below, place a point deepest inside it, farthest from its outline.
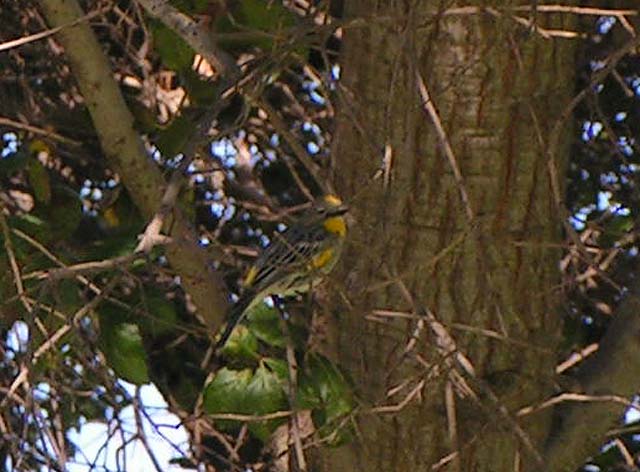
(236, 314)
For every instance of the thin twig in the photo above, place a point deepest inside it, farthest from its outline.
(463, 376)
(36, 244)
(45, 34)
(415, 392)
(140, 432)
(35, 130)
(430, 108)
(250, 418)
(20, 378)
(198, 138)
(90, 267)
(624, 452)
(301, 154)
(576, 397)
(580, 10)
(575, 358)
(450, 404)
(292, 366)
(13, 262)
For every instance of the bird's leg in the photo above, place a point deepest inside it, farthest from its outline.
(310, 298)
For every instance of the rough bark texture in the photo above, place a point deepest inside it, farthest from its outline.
(498, 89)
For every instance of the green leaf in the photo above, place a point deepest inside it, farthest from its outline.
(113, 246)
(278, 366)
(249, 393)
(124, 350)
(255, 16)
(31, 219)
(55, 221)
(225, 394)
(264, 323)
(162, 317)
(13, 163)
(174, 51)
(67, 295)
(89, 408)
(607, 459)
(64, 215)
(265, 394)
(39, 180)
(242, 344)
(172, 139)
(265, 16)
(109, 315)
(145, 119)
(616, 229)
(191, 6)
(325, 390)
(201, 92)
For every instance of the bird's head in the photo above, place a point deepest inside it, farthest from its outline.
(331, 209)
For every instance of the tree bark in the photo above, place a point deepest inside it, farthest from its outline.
(488, 269)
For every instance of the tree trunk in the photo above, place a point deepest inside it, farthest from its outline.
(488, 270)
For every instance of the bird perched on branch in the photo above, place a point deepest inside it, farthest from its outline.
(296, 261)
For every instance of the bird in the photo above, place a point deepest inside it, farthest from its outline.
(296, 261)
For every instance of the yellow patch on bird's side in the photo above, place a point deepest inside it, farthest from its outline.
(332, 200)
(250, 277)
(320, 260)
(336, 225)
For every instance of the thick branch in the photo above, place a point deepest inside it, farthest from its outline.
(126, 154)
(199, 38)
(612, 370)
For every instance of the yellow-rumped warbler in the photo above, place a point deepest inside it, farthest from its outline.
(295, 261)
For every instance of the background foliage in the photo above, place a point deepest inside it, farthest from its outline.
(86, 320)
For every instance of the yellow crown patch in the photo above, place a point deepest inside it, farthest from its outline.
(332, 200)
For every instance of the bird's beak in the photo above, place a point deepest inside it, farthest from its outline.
(341, 210)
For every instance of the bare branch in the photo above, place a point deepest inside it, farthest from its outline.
(126, 154)
(197, 36)
(604, 373)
